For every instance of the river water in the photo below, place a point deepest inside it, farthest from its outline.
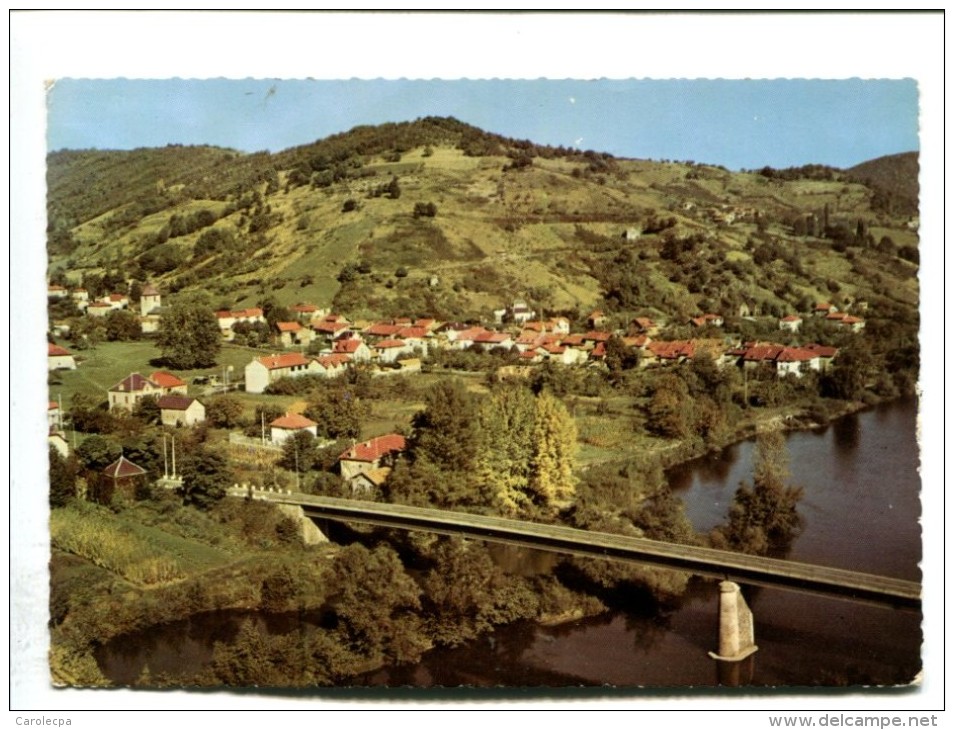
(860, 511)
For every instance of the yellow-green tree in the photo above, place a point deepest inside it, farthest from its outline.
(552, 483)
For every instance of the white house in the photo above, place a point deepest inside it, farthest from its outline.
(59, 358)
(290, 424)
(263, 371)
(149, 300)
(791, 323)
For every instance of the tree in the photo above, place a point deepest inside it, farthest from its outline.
(147, 409)
(394, 190)
(189, 336)
(97, 452)
(763, 518)
(446, 433)
(337, 411)
(669, 407)
(206, 474)
(224, 411)
(300, 452)
(554, 445)
(62, 478)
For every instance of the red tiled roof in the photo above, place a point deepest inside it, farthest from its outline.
(123, 467)
(166, 380)
(597, 336)
(305, 308)
(288, 326)
(762, 353)
(795, 354)
(672, 350)
(292, 421)
(492, 337)
(175, 402)
(415, 333)
(53, 406)
(347, 346)
(383, 329)
(573, 340)
(329, 327)
(821, 350)
(56, 351)
(388, 344)
(150, 291)
(374, 449)
(286, 360)
(792, 318)
(333, 361)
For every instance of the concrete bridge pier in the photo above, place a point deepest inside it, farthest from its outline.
(736, 627)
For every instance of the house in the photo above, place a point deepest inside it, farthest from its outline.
(795, 361)
(169, 383)
(368, 455)
(131, 389)
(855, 324)
(55, 291)
(383, 330)
(265, 370)
(288, 425)
(825, 355)
(596, 319)
(117, 301)
(675, 351)
(331, 366)
(791, 323)
(490, 340)
(367, 483)
(180, 410)
(354, 348)
(292, 333)
(387, 351)
(98, 309)
(59, 358)
(823, 309)
(521, 312)
(643, 326)
(54, 416)
(149, 300)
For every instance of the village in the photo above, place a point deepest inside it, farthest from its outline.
(323, 344)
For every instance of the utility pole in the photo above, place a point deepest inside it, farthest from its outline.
(173, 457)
(165, 458)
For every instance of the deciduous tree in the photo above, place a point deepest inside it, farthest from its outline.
(189, 336)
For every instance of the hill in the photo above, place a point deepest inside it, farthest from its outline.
(894, 178)
(435, 217)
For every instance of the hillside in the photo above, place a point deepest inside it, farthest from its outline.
(438, 218)
(894, 178)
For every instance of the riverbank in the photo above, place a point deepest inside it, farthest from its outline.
(115, 607)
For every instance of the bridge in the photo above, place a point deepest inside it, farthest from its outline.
(721, 564)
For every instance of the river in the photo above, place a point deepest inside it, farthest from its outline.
(860, 510)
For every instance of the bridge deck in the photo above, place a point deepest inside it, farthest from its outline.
(722, 564)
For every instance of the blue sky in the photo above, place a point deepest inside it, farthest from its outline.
(736, 123)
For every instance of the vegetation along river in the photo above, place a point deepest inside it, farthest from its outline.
(860, 510)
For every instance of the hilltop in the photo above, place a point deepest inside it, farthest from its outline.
(436, 217)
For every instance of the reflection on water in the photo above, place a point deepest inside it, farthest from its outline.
(861, 510)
